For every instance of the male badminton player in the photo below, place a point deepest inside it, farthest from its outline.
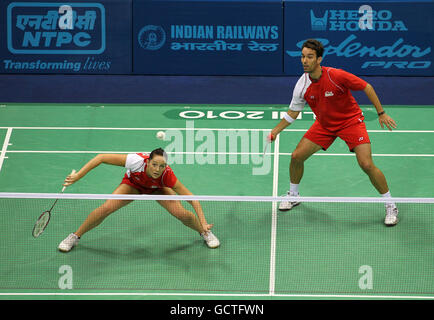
(146, 174)
(327, 91)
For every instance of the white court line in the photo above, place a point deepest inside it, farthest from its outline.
(374, 154)
(141, 129)
(274, 218)
(197, 129)
(220, 153)
(5, 146)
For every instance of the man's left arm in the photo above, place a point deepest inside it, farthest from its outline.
(383, 117)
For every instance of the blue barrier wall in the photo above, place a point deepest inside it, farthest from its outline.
(124, 89)
(214, 37)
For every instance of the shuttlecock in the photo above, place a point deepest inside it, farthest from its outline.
(160, 135)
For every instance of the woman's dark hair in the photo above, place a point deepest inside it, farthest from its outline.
(158, 152)
(314, 45)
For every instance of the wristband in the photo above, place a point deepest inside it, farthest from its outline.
(381, 113)
(288, 118)
(270, 138)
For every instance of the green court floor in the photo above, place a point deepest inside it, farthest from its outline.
(317, 250)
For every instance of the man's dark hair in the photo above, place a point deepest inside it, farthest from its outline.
(314, 45)
(158, 152)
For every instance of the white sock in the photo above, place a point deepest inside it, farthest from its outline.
(388, 195)
(293, 188)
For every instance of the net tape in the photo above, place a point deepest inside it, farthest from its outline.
(82, 196)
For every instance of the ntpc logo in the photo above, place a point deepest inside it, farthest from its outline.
(356, 20)
(54, 28)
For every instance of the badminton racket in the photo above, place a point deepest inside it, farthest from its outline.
(44, 218)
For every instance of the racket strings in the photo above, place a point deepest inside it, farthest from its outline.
(41, 224)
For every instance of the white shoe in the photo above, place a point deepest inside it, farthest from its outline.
(210, 239)
(288, 205)
(69, 242)
(391, 215)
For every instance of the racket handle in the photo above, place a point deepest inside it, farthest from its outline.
(72, 172)
(270, 137)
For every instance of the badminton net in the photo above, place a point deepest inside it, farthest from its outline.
(323, 246)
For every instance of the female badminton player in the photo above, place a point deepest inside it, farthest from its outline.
(146, 174)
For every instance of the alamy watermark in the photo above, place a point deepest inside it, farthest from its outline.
(219, 146)
(66, 278)
(366, 281)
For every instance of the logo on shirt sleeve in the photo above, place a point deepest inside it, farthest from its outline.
(328, 94)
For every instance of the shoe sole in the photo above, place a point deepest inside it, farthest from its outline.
(392, 224)
(63, 250)
(294, 205)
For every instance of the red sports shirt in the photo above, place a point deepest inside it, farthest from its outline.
(136, 174)
(330, 98)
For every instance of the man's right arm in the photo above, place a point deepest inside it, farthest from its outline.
(284, 123)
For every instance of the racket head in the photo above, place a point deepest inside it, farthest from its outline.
(41, 224)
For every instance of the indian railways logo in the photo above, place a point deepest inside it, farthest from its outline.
(152, 37)
(55, 28)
